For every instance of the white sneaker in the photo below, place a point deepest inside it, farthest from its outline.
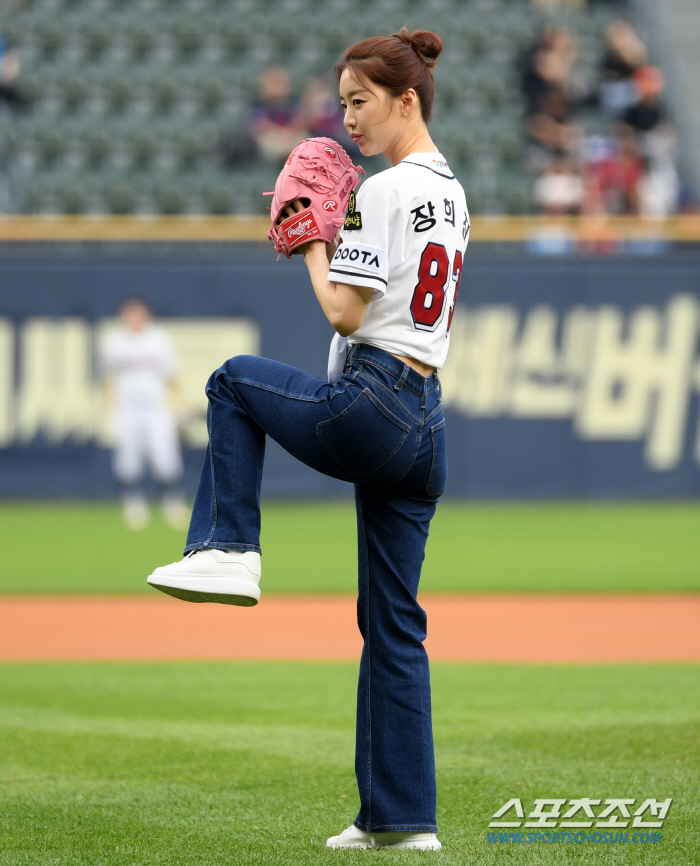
(351, 838)
(223, 576)
(355, 838)
(136, 512)
(407, 841)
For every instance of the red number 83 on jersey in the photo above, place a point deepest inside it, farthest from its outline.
(433, 278)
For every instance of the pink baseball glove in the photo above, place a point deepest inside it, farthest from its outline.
(321, 175)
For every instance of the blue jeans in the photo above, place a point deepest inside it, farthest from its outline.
(380, 427)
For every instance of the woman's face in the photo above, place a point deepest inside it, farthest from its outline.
(372, 115)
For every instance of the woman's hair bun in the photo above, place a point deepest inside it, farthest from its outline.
(424, 42)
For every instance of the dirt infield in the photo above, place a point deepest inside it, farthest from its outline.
(507, 628)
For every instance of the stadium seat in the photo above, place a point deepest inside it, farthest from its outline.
(51, 38)
(509, 146)
(96, 38)
(211, 94)
(97, 147)
(190, 39)
(450, 94)
(286, 39)
(494, 92)
(121, 92)
(462, 147)
(143, 148)
(334, 39)
(51, 145)
(121, 199)
(142, 42)
(74, 93)
(238, 40)
(72, 199)
(190, 149)
(165, 94)
(171, 199)
(30, 89)
(218, 199)
(513, 192)
(477, 39)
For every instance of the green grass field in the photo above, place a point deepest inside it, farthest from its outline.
(530, 547)
(252, 763)
(129, 764)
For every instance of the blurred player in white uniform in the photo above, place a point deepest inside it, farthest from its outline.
(139, 361)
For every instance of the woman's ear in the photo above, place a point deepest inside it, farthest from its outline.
(409, 100)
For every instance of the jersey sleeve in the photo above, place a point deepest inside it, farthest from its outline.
(362, 257)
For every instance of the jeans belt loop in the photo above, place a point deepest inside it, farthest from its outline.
(424, 396)
(402, 378)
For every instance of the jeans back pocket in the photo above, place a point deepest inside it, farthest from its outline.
(438, 468)
(364, 436)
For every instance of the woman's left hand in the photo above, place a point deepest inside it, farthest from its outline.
(292, 208)
(296, 207)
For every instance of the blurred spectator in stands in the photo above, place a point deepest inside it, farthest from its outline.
(273, 127)
(320, 111)
(552, 131)
(660, 190)
(559, 190)
(613, 181)
(625, 53)
(9, 72)
(647, 111)
(275, 122)
(320, 114)
(546, 67)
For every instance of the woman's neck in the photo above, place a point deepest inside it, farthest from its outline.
(414, 141)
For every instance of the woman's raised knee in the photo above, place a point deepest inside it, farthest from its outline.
(237, 367)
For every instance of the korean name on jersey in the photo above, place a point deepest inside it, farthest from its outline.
(405, 235)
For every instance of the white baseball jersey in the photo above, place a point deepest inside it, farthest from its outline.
(141, 365)
(405, 235)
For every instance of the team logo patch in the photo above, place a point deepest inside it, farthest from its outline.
(353, 218)
(330, 151)
(330, 204)
(301, 229)
(363, 258)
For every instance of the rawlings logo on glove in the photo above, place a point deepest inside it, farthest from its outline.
(321, 175)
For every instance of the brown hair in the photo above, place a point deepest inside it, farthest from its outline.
(396, 63)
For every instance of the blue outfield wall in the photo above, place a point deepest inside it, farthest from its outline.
(566, 378)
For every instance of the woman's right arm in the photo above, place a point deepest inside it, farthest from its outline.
(344, 306)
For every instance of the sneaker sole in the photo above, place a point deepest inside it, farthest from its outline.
(412, 846)
(219, 590)
(361, 847)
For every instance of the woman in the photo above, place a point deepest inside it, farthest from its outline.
(390, 287)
